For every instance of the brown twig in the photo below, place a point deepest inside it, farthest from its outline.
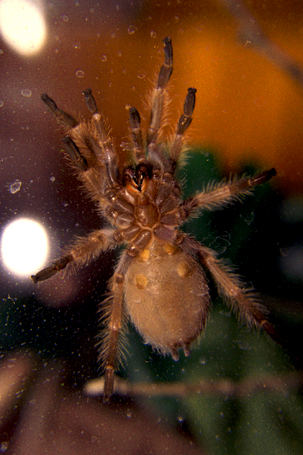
(250, 32)
(266, 383)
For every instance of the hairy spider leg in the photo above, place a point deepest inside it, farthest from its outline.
(62, 117)
(68, 122)
(74, 153)
(104, 142)
(158, 100)
(77, 158)
(114, 316)
(89, 147)
(224, 193)
(183, 123)
(83, 251)
(230, 286)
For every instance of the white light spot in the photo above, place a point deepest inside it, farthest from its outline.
(24, 246)
(22, 25)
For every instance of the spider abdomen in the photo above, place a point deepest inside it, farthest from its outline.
(166, 297)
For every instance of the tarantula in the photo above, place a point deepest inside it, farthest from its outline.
(159, 282)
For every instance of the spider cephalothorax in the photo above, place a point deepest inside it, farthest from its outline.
(159, 282)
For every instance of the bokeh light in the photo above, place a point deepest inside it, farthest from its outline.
(22, 25)
(24, 246)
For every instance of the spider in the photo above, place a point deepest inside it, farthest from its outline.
(159, 282)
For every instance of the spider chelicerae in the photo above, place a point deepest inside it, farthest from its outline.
(159, 282)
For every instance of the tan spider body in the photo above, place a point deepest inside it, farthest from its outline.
(164, 287)
(159, 282)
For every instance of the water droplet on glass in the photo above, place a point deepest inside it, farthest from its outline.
(15, 186)
(26, 92)
(129, 414)
(203, 362)
(80, 74)
(180, 419)
(1, 103)
(77, 46)
(52, 179)
(153, 34)
(132, 29)
(65, 18)
(141, 76)
(103, 58)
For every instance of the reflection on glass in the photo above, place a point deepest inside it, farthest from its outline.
(22, 25)
(24, 246)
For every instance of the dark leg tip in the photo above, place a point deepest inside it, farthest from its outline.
(267, 175)
(134, 117)
(87, 92)
(167, 41)
(168, 50)
(44, 97)
(263, 177)
(90, 100)
(49, 102)
(272, 172)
